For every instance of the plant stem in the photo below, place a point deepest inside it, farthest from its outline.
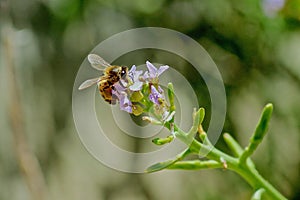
(240, 164)
(252, 176)
(247, 170)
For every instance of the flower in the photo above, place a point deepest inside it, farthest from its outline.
(272, 7)
(125, 103)
(130, 94)
(156, 96)
(153, 73)
(120, 92)
(134, 75)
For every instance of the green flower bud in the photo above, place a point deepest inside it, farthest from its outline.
(137, 109)
(136, 96)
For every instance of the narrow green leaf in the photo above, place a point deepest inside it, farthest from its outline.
(196, 164)
(160, 166)
(233, 145)
(260, 132)
(263, 124)
(202, 114)
(196, 121)
(171, 97)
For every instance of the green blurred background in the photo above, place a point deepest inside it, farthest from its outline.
(255, 44)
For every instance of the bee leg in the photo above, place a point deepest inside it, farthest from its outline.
(114, 99)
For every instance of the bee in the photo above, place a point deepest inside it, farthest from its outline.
(112, 74)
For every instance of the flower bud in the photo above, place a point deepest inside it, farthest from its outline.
(136, 96)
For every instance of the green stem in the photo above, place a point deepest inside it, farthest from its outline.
(241, 164)
(249, 173)
(252, 176)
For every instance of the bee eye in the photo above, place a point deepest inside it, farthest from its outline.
(123, 72)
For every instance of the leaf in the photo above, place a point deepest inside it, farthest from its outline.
(260, 132)
(263, 123)
(160, 166)
(233, 144)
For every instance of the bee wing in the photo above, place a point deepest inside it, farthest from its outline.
(88, 83)
(97, 62)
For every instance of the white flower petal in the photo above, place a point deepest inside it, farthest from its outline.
(136, 86)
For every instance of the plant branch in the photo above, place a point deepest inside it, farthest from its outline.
(219, 159)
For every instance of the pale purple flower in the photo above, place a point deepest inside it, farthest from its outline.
(125, 103)
(118, 89)
(134, 75)
(120, 92)
(153, 73)
(155, 95)
(125, 88)
(272, 7)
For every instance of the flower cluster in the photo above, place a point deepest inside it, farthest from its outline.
(139, 92)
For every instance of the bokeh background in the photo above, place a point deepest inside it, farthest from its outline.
(255, 44)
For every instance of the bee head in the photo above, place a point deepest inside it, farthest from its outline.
(124, 71)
